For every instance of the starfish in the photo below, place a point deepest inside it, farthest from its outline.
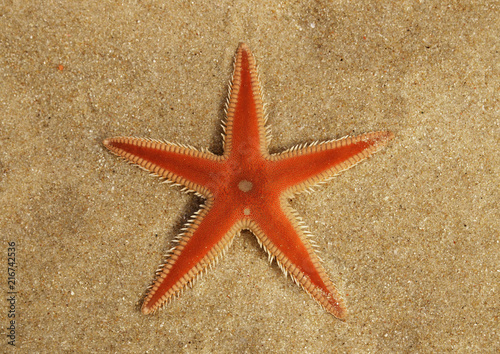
(245, 188)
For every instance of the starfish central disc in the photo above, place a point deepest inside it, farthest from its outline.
(245, 186)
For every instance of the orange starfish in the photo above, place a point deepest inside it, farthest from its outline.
(246, 189)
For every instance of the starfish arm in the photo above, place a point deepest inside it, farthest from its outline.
(245, 124)
(284, 238)
(308, 166)
(207, 236)
(182, 165)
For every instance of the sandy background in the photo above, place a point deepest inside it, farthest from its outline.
(410, 237)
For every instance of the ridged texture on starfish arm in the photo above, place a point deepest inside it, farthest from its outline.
(246, 188)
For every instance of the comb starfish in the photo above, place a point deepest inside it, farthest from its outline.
(246, 188)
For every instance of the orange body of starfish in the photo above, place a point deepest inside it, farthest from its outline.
(246, 188)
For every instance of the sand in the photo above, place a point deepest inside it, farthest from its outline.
(410, 236)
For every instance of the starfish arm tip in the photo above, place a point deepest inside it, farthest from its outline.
(243, 46)
(341, 313)
(389, 135)
(106, 142)
(147, 308)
